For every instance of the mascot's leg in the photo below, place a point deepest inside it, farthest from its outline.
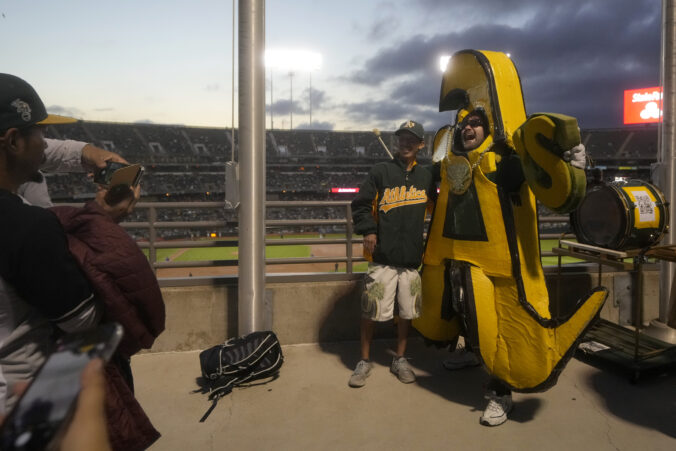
(480, 294)
(521, 351)
(437, 322)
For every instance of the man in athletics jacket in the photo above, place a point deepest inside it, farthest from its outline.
(389, 212)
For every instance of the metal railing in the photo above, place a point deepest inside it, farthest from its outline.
(154, 226)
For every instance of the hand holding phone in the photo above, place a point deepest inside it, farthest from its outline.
(48, 402)
(89, 428)
(119, 174)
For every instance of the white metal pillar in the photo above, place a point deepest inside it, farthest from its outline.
(251, 292)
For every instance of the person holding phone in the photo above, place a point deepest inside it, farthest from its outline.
(42, 289)
(65, 155)
(87, 430)
(124, 280)
(46, 405)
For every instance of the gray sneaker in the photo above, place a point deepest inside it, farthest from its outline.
(461, 358)
(402, 369)
(361, 372)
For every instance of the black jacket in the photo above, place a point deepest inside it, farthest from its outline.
(392, 203)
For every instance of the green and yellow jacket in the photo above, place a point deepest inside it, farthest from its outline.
(392, 203)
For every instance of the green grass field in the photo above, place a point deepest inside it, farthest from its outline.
(291, 251)
(228, 253)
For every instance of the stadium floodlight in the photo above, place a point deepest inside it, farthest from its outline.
(443, 62)
(292, 61)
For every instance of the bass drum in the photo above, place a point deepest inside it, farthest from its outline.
(622, 215)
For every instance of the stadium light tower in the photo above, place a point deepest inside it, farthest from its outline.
(292, 61)
(291, 99)
(314, 63)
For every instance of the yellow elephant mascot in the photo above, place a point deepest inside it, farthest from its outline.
(482, 256)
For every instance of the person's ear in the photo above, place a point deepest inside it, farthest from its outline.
(10, 140)
(9, 137)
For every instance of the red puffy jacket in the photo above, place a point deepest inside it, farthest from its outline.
(121, 277)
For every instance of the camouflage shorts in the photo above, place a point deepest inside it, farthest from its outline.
(382, 284)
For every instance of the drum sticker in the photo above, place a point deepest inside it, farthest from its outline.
(645, 206)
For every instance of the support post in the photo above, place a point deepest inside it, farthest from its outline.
(252, 315)
(667, 143)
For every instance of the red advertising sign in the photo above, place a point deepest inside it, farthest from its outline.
(351, 190)
(642, 106)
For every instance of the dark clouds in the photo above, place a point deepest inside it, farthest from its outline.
(319, 97)
(316, 125)
(301, 106)
(382, 27)
(286, 106)
(574, 57)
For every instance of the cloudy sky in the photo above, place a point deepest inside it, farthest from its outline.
(170, 61)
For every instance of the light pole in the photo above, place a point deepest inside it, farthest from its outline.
(272, 123)
(292, 61)
(314, 62)
(291, 97)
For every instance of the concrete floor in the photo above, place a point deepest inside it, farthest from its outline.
(311, 407)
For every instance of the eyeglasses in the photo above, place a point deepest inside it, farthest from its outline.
(474, 122)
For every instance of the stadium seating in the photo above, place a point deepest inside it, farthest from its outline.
(186, 163)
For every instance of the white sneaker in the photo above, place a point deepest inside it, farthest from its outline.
(461, 358)
(403, 370)
(361, 372)
(497, 409)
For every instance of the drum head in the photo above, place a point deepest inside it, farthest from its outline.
(601, 219)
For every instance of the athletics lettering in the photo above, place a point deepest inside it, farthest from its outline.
(401, 196)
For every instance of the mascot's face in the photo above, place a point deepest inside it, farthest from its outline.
(473, 132)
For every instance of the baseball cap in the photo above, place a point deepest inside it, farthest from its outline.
(20, 105)
(412, 127)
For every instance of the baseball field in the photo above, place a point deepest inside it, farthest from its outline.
(225, 254)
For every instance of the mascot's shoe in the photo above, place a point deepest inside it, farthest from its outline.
(361, 372)
(461, 358)
(403, 370)
(497, 409)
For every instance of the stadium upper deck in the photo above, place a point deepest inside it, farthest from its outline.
(187, 162)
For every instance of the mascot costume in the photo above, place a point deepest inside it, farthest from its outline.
(482, 257)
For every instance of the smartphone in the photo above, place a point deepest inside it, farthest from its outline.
(103, 175)
(139, 174)
(119, 174)
(128, 175)
(48, 402)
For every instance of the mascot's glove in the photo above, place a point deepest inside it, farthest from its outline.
(577, 156)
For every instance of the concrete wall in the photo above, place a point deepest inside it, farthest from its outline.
(200, 316)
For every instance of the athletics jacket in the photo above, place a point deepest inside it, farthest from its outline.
(392, 203)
